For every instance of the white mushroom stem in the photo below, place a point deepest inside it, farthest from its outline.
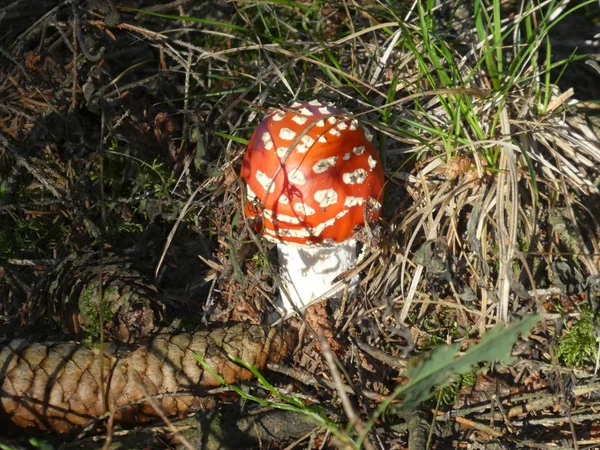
(307, 273)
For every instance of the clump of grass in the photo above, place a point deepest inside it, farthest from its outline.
(486, 155)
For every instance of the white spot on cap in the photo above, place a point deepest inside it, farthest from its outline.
(267, 142)
(281, 152)
(324, 110)
(298, 178)
(296, 104)
(368, 135)
(353, 201)
(282, 232)
(305, 144)
(265, 181)
(347, 156)
(342, 126)
(306, 232)
(278, 116)
(332, 120)
(314, 103)
(324, 164)
(288, 219)
(286, 134)
(335, 132)
(372, 162)
(356, 177)
(322, 139)
(354, 125)
(306, 112)
(316, 231)
(284, 199)
(326, 197)
(304, 209)
(359, 150)
(300, 120)
(374, 204)
(320, 123)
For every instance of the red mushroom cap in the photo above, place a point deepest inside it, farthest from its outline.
(312, 175)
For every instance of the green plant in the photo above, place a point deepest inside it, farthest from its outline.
(449, 393)
(442, 364)
(27, 236)
(261, 261)
(579, 345)
(42, 445)
(35, 443)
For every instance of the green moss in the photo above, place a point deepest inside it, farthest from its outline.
(88, 308)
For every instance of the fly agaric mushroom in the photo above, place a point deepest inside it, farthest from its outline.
(312, 180)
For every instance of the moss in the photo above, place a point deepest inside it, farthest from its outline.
(88, 308)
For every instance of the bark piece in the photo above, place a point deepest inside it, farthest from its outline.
(58, 386)
(230, 429)
(317, 317)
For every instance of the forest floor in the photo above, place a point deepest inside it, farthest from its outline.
(122, 128)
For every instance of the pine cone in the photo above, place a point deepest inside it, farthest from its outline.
(131, 307)
(58, 386)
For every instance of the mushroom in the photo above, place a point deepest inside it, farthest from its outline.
(313, 179)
